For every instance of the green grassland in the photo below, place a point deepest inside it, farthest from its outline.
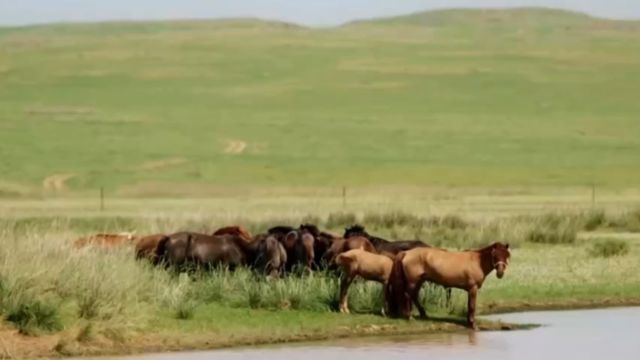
(520, 97)
(57, 300)
(458, 127)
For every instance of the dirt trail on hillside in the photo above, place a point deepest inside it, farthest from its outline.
(56, 182)
(160, 164)
(235, 147)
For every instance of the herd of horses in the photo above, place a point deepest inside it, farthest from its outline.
(401, 266)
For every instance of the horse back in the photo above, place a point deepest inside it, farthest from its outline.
(447, 268)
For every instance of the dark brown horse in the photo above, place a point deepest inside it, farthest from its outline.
(267, 255)
(383, 245)
(322, 244)
(298, 243)
(464, 270)
(201, 250)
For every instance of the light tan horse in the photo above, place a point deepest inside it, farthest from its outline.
(341, 245)
(106, 241)
(464, 270)
(359, 262)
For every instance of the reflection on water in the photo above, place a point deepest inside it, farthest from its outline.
(610, 334)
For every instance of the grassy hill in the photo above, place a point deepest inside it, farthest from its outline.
(461, 97)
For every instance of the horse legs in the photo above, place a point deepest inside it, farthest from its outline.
(471, 307)
(344, 288)
(414, 292)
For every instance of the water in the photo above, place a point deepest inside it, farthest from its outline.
(583, 334)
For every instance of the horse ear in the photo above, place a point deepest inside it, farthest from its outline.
(507, 246)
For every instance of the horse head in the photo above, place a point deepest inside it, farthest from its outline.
(355, 230)
(500, 255)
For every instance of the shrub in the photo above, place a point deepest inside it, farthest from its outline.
(553, 229)
(629, 221)
(34, 316)
(609, 248)
(594, 219)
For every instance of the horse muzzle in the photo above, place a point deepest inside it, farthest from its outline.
(500, 268)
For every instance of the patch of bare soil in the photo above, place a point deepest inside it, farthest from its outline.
(161, 164)
(56, 182)
(59, 110)
(235, 147)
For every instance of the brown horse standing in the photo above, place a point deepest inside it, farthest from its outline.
(146, 246)
(367, 265)
(464, 270)
(236, 230)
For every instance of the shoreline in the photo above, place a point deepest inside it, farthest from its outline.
(63, 345)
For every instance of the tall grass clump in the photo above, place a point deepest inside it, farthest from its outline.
(594, 219)
(392, 219)
(628, 221)
(34, 316)
(42, 273)
(609, 248)
(553, 229)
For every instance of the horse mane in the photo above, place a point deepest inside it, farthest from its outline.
(280, 229)
(490, 247)
(234, 230)
(311, 228)
(355, 229)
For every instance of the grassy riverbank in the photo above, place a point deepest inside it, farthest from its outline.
(59, 301)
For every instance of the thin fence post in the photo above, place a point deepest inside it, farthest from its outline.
(344, 197)
(101, 198)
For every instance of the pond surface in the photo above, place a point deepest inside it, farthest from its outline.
(611, 334)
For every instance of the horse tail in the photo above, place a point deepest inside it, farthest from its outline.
(161, 250)
(400, 302)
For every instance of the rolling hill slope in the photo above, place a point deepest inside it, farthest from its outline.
(461, 97)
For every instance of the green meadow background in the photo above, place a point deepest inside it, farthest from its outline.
(459, 98)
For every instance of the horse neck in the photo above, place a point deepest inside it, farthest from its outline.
(246, 246)
(378, 240)
(486, 261)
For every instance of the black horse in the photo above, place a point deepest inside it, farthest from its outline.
(383, 245)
